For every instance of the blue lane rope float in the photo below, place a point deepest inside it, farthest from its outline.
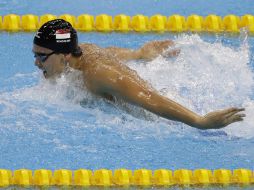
(125, 177)
(137, 23)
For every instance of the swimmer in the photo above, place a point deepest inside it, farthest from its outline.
(56, 47)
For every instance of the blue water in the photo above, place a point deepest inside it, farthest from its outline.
(114, 7)
(44, 125)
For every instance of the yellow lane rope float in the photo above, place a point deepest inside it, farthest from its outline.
(137, 23)
(125, 177)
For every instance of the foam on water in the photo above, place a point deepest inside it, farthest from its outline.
(204, 77)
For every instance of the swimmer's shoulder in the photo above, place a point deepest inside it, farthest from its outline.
(88, 47)
(93, 51)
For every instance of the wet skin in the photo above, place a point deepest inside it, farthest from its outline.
(105, 75)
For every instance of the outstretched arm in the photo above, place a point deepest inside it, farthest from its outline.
(123, 82)
(149, 51)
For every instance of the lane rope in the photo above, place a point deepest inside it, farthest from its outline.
(138, 23)
(125, 177)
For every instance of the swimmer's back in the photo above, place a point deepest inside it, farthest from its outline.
(100, 67)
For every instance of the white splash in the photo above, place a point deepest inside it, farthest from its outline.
(205, 77)
(69, 87)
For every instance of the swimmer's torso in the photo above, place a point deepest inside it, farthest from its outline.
(104, 71)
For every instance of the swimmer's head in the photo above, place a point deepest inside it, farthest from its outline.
(59, 36)
(54, 43)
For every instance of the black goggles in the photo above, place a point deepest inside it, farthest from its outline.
(42, 57)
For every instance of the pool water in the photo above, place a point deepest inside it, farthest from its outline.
(60, 125)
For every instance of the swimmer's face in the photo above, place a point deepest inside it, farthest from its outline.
(50, 63)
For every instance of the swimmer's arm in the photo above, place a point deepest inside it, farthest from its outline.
(153, 49)
(149, 51)
(124, 54)
(134, 90)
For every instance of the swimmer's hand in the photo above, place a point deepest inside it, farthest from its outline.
(220, 119)
(153, 49)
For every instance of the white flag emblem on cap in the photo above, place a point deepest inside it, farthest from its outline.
(37, 34)
(63, 34)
